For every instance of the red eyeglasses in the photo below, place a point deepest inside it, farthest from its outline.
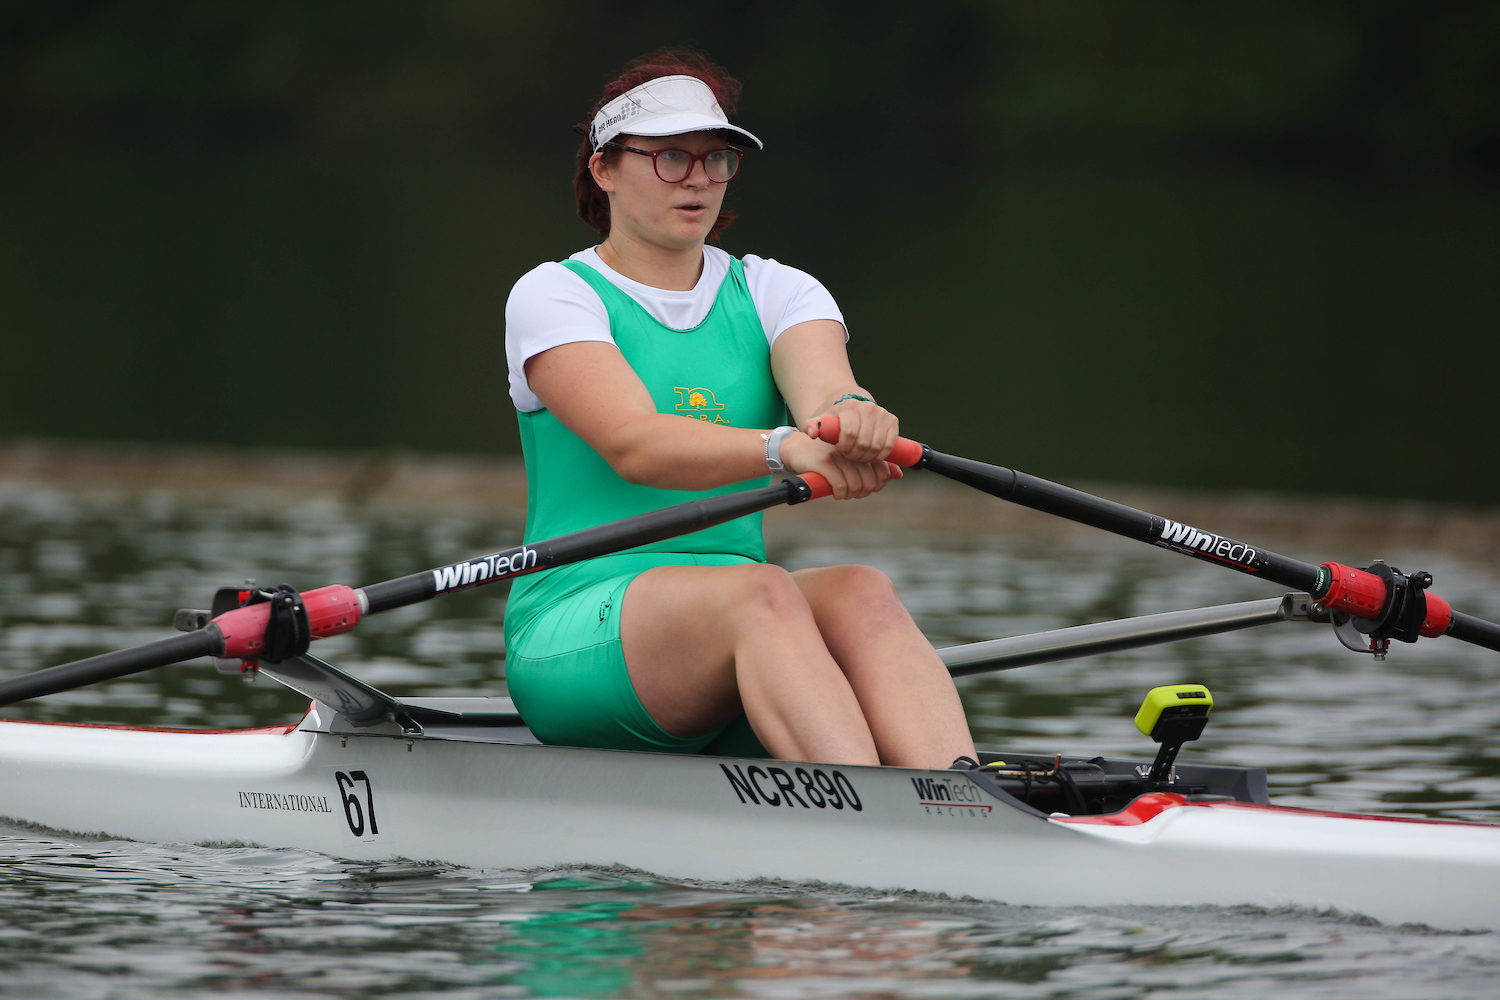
(674, 165)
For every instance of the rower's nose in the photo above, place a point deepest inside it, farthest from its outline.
(697, 175)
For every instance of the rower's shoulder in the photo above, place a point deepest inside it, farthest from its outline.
(549, 280)
(770, 277)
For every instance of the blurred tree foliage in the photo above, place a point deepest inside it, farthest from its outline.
(1403, 89)
(324, 204)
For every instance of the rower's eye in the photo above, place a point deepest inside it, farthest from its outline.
(675, 157)
(722, 164)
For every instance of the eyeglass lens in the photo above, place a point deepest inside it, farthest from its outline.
(673, 165)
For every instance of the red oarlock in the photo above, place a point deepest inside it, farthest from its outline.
(330, 611)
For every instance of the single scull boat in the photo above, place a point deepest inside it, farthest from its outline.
(364, 775)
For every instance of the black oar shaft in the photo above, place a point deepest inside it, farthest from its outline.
(107, 666)
(1475, 630)
(1323, 582)
(1084, 508)
(336, 612)
(617, 536)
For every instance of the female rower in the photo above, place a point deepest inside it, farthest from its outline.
(696, 644)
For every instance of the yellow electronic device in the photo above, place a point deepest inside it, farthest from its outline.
(1172, 716)
(1164, 706)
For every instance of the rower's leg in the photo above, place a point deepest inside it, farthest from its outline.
(903, 687)
(701, 642)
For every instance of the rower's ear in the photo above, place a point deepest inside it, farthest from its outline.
(603, 172)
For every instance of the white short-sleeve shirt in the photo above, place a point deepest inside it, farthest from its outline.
(551, 306)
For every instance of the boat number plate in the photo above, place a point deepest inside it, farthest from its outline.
(357, 804)
(808, 787)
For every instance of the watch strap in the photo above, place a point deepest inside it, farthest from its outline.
(773, 447)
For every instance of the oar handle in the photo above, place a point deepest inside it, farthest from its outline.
(906, 451)
(817, 486)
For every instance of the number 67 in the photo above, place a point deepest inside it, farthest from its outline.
(354, 814)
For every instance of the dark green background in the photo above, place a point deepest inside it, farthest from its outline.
(1230, 244)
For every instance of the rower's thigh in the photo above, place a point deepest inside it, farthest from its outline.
(679, 626)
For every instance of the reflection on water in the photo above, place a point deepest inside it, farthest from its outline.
(81, 572)
(132, 920)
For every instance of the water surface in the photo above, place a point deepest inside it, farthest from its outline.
(86, 570)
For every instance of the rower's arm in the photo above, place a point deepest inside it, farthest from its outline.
(593, 390)
(811, 366)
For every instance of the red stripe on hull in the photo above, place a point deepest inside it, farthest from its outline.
(1153, 804)
(262, 731)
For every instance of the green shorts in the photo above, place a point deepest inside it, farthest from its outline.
(566, 673)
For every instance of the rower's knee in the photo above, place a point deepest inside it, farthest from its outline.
(770, 593)
(861, 587)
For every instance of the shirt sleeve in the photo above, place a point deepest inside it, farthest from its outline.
(548, 307)
(785, 296)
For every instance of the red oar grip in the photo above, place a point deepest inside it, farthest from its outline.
(817, 484)
(906, 451)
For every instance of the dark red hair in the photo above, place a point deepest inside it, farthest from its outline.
(593, 203)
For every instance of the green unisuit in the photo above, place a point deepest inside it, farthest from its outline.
(564, 667)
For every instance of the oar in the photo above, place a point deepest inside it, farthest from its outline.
(281, 625)
(1396, 605)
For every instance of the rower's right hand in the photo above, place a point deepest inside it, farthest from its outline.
(849, 480)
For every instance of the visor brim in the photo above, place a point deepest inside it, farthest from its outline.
(682, 124)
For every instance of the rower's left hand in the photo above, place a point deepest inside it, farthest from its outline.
(867, 431)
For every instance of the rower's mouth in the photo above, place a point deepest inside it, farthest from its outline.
(692, 206)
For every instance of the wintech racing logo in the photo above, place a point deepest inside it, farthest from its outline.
(951, 797)
(1207, 545)
(475, 571)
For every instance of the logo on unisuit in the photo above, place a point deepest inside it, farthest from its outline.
(493, 567)
(1186, 538)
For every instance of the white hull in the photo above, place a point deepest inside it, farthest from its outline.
(522, 805)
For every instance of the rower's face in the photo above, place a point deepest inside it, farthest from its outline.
(673, 216)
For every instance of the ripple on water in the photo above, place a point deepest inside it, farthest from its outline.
(122, 919)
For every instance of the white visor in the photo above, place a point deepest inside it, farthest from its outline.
(668, 105)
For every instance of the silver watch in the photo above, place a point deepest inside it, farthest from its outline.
(773, 447)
